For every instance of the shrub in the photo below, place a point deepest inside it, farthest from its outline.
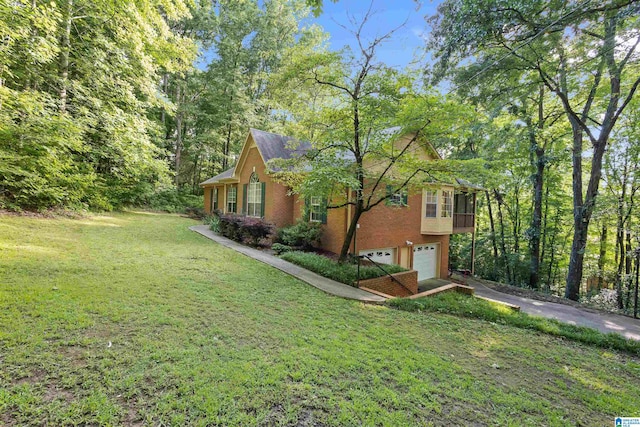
(344, 273)
(244, 229)
(174, 201)
(279, 248)
(302, 234)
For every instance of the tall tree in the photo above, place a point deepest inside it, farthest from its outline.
(583, 53)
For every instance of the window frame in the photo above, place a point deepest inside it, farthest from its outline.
(232, 190)
(214, 199)
(431, 199)
(447, 204)
(315, 209)
(254, 197)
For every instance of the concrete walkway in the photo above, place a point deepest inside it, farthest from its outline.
(604, 322)
(327, 285)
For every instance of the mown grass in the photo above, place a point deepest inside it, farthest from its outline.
(131, 319)
(467, 306)
(343, 273)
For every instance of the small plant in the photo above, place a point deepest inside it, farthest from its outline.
(213, 221)
(279, 248)
(303, 235)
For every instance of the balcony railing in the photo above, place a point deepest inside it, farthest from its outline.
(463, 220)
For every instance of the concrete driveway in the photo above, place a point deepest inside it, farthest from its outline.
(604, 322)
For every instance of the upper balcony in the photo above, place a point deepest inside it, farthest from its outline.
(464, 217)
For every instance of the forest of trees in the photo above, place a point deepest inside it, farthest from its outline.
(105, 104)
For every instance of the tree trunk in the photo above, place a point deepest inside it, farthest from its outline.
(226, 148)
(492, 226)
(536, 220)
(628, 269)
(178, 152)
(351, 232)
(65, 48)
(602, 258)
(502, 241)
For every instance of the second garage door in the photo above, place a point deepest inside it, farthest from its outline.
(425, 260)
(381, 256)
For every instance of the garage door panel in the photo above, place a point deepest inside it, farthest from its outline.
(381, 256)
(425, 261)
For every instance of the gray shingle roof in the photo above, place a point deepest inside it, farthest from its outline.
(274, 146)
(226, 174)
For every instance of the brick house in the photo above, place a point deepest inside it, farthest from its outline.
(412, 230)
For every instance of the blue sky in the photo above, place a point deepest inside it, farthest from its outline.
(406, 45)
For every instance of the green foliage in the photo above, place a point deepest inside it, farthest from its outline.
(466, 306)
(171, 200)
(340, 272)
(303, 234)
(39, 156)
(244, 229)
(279, 248)
(213, 221)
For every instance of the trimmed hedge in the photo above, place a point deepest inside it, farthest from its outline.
(344, 273)
(244, 229)
(302, 234)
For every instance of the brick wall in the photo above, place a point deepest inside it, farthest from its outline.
(388, 286)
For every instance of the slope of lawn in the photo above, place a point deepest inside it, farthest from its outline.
(131, 319)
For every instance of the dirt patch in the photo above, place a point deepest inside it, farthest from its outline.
(53, 392)
(36, 376)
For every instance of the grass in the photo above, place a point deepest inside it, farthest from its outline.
(467, 306)
(131, 319)
(343, 273)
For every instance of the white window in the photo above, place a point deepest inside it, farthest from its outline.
(232, 197)
(431, 203)
(447, 204)
(214, 199)
(315, 209)
(254, 196)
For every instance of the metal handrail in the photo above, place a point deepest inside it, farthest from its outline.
(384, 271)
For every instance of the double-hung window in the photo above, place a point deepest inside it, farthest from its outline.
(232, 199)
(431, 203)
(315, 209)
(447, 204)
(254, 196)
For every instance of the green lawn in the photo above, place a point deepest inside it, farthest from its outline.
(131, 319)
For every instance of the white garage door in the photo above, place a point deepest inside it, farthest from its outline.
(425, 261)
(381, 256)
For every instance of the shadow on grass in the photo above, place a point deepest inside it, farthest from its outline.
(466, 306)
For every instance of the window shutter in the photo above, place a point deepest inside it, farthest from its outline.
(244, 199)
(405, 198)
(389, 195)
(263, 186)
(324, 211)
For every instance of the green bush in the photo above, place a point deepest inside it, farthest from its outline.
(465, 306)
(344, 273)
(173, 201)
(302, 234)
(244, 229)
(279, 248)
